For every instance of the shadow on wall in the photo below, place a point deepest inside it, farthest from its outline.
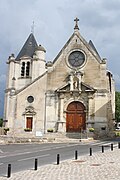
(102, 130)
(105, 109)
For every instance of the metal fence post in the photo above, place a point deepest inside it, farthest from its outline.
(58, 159)
(76, 155)
(102, 149)
(111, 147)
(36, 164)
(118, 145)
(90, 151)
(9, 171)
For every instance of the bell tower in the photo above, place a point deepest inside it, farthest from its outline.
(38, 62)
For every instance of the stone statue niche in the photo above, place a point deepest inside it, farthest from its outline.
(75, 83)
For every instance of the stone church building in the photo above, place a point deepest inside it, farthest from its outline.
(70, 94)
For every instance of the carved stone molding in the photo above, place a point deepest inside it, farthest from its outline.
(29, 111)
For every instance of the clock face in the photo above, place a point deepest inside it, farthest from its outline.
(76, 59)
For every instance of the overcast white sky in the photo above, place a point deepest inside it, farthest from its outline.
(54, 24)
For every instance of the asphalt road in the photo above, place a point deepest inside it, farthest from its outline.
(22, 156)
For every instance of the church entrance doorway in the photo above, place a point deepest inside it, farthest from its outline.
(29, 122)
(75, 117)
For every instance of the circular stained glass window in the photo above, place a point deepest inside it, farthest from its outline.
(30, 99)
(76, 59)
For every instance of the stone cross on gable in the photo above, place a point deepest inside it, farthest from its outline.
(32, 27)
(76, 23)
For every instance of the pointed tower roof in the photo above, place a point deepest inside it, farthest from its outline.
(28, 48)
(93, 47)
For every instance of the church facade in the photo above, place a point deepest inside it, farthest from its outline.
(70, 94)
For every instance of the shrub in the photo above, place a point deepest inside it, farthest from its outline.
(91, 129)
(117, 133)
(49, 130)
(6, 129)
(27, 129)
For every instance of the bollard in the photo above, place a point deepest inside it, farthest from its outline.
(90, 151)
(102, 149)
(111, 147)
(76, 155)
(118, 145)
(58, 159)
(36, 164)
(9, 171)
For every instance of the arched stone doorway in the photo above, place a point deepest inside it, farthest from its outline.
(75, 117)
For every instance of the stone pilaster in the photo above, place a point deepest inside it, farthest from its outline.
(61, 122)
(91, 108)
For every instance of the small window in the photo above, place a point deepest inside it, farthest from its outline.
(28, 69)
(23, 69)
(30, 99)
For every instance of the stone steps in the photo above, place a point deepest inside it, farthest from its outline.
(48, 137)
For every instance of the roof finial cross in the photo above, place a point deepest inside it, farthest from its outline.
(76, 23)
(32, 27)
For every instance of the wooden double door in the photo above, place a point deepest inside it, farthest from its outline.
(29, 122)
(75, 117)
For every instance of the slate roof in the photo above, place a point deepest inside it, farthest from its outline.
(93, 47)
(28, 48)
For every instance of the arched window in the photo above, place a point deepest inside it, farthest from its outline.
(28, 69)
(23, 69)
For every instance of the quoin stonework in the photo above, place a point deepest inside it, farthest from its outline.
(72, 93)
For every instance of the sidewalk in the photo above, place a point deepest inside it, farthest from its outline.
(100, 166)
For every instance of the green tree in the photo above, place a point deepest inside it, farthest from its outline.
(1, 122)
(117, 106)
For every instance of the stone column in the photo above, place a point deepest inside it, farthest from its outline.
(11, 73)
(61, 122)
(11, 115)
(61, 108)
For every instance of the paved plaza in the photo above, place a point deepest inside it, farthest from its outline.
(99, 166)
